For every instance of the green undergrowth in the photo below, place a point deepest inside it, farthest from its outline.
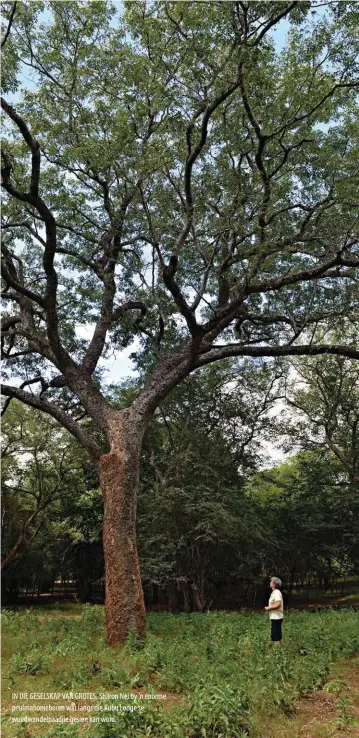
(218, 671)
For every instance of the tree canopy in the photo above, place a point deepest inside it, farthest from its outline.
(173, 181)
(325, 400)
(171, 176)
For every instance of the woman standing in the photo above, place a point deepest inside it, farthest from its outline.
(275, 609)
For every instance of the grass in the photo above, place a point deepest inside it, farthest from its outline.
(215, 675)
(332, 712)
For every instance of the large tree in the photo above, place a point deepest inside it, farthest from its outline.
(170, 177)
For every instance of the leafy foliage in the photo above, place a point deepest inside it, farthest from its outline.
(326, 401)
(310, 512)
(51, 504)
(186, 182)
(194, 522)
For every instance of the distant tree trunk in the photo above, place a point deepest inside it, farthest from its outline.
(84, 589)
(254, 593)
(197, 601)
(185, 595)
(154, 593)
(246, 590)
(291, 581)
(174, 597)
(119, 478)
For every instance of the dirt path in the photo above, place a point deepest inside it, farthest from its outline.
(332, 712)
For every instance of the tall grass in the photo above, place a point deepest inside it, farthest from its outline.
(219, 671)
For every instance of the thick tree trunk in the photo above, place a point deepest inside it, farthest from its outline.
(119, 477)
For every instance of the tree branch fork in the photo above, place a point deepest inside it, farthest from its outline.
(201, 348)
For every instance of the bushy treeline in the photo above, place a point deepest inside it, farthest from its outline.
(212, 523)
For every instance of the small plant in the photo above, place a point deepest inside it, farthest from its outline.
(133, 642)
(115, 676)
(19, 731)
(139, 680)
(67, 646)
(63, 731)
(209, 651)
(336, 686)
(345, 718)
(27, 663)
(158, 661)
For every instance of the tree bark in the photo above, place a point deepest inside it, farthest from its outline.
(197, 600)
(119, 478)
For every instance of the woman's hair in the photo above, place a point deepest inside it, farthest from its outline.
(277, 582)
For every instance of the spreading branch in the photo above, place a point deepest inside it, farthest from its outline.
(235, 349)
(51, 409)
(10, 22)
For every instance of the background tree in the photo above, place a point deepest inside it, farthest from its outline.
(325, 400)
(52, 510)
(40, 464)
(196, 529)
(169, 176)
(310, 511)
(208, 523)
